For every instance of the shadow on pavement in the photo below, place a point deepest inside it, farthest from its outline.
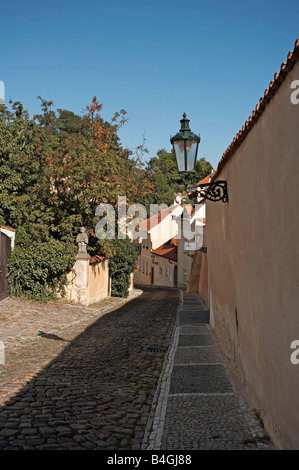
(97, 393)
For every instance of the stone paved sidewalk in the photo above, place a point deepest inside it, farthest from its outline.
(82, 378)
(144, 374)
(198, 406)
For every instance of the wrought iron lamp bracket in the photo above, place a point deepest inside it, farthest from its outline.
(216, 191)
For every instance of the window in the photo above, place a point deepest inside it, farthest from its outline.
(185, 277)
(160, 270)
(143, 266)
(146, 268)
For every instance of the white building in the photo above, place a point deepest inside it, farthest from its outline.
(157, 254)
(192, 223)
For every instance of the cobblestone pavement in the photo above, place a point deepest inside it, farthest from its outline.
(145, 374)
(80, 378)
(199, 407)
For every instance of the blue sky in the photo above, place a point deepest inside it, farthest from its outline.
(154, 58)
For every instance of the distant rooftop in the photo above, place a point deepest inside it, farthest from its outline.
(168, 250)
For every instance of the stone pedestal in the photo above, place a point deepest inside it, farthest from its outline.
(80, 287)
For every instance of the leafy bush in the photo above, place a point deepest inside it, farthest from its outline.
(122, 263)
(54, 171)
(38, 270)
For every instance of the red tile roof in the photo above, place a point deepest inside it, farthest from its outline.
(205, 180)
(155, 220)
(175, 241)
(96, 259)
(274, 85)
(8, 228)
(168, 250)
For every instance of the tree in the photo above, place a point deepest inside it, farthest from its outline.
(122, 263)
(54, 170)
(87, 167)
(167, 180)
(19, 170)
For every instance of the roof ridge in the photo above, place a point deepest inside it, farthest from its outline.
(158, 217)
(8, 228)
(278, 79)
(96, 259)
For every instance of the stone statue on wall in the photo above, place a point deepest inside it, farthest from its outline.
(82, 241)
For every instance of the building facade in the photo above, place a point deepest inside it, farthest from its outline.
(190, 239)
(253, 255)
(157, 253)
(156, 267)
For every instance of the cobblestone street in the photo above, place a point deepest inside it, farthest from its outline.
(143, 374)
(75, 378)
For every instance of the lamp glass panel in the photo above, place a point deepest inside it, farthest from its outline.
(191, 152)
(179, 148)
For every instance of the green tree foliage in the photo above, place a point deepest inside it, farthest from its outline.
(17, 146)
(38, 268)
(122, 263)
(54, 170)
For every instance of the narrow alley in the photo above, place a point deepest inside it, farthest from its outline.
(201, 406)
(140, 375)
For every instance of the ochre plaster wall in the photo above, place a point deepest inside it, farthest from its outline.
(253, 257)
(99, 281)
(198, 282)
(89, 283)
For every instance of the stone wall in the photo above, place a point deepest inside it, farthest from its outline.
(253, 257)
(198, 282)
(89, 282)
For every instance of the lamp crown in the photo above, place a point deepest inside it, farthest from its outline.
(185, 131)
(185, 123)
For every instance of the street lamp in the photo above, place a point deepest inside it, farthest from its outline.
(185, 144)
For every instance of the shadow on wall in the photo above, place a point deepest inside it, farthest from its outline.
(198, 278)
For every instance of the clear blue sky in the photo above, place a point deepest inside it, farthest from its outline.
(156, 59)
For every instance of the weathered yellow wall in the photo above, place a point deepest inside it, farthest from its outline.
(198, 282)
(99, 280)
(253, 256)
(162, 279)
(90, 284)
(185, 262)
(159, 279)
